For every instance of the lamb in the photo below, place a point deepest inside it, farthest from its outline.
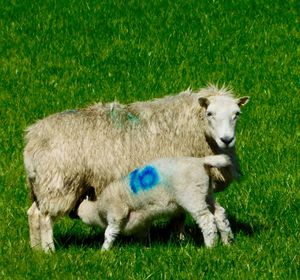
(68, 153)
(162, 187)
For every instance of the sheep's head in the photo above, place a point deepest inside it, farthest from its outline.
(221, 114)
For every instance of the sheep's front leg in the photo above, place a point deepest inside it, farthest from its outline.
(223, 224)
(110, 234)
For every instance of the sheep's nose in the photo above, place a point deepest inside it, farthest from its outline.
(227, 140)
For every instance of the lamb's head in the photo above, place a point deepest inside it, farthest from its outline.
(221, 114)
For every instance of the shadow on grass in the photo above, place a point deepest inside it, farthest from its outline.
(159, 234)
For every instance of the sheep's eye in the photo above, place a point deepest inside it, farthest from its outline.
(209, 114)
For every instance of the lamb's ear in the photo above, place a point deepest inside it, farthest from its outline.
(243, 101)
(204, 102)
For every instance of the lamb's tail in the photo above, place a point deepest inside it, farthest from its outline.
(217, 161)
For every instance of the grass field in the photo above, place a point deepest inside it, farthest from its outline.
(58, 55)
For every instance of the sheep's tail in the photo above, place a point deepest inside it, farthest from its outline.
(31, 176)
(32, 196)
(217, 161)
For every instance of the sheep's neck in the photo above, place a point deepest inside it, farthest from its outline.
(228, 173)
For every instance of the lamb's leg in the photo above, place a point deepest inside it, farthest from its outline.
(46, 224)
(206, 221)
(177, 223)
(223, 224)
(137, 223)
(34, 226)
(194, 202)
(143, 236)
(111, 232)
(116, 216)
(221, 219)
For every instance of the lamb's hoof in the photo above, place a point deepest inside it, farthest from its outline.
(228, 242)
(181, 236)
(105, 248)
(227, 239)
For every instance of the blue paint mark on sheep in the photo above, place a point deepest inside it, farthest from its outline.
(143, 179)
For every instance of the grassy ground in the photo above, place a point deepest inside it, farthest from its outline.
(58, 55)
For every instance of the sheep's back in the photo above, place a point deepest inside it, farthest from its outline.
(96, 145)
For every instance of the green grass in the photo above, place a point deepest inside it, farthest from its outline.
(58, 55)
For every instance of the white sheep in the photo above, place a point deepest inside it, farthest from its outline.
(68, 153)
(161, 188)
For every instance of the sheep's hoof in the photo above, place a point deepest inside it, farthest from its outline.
(49, 248)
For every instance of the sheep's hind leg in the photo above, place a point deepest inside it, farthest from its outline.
(34, 226)
(46, 223)
(223, 224)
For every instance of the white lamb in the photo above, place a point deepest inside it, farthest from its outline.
(162, 188)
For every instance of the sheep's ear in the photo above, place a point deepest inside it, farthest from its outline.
(243, 101)
(203, 102)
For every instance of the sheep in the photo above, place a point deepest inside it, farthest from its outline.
(67, 153)
(161, 188)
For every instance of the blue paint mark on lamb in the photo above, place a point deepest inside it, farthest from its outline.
(144, 179)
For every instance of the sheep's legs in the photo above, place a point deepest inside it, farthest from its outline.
(40, 228)
(223, 224)
(47, 233)
(34, 226)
